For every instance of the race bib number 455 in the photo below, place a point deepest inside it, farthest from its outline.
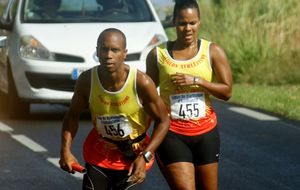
(188, 106)
(113, 126)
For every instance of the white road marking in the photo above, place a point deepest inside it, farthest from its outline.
(5, 128)
(254, 114)
(29, 143)
(34, 147)
(54, 161)
(291, 125)
(38, 148)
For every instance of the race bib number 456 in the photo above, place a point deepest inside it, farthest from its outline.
(188, 106)
(113, 126)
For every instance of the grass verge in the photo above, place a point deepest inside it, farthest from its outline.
(283, 100)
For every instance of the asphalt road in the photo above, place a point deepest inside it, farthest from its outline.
(258, 151)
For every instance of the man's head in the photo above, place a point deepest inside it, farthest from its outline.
(111, 48)
(117, 32)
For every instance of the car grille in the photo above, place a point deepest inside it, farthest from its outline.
(51, 81)
(133, 57)
(68, 58)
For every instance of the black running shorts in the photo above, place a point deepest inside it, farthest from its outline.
(200, 150)
(98, 178)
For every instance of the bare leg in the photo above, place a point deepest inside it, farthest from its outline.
(180, 176)
(207, 176)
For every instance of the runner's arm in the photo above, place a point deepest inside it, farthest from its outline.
(222, 87)
(155, 107)
(152, 67)
(79, 102)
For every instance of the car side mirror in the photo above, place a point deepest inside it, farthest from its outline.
(168, 22)
(6, 20)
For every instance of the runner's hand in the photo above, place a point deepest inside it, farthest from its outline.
(181, 79)
(66, 160)
(137, 170)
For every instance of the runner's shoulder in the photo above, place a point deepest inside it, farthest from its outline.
(143, 79)
(83, 82)
(85, 76)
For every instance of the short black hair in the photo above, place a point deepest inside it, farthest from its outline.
(112, 30)
(185, 4)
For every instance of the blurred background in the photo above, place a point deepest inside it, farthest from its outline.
(259, 146)
(262, 42)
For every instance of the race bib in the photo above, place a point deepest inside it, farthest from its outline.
(188, 106)
(113, 126)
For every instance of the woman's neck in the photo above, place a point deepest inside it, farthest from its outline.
(179, 45)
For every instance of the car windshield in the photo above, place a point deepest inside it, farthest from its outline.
(81, 11)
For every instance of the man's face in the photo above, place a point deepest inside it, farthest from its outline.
(111, 51)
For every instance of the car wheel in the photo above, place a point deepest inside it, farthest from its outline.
(17, 107)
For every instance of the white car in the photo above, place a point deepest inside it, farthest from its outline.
(47, 49)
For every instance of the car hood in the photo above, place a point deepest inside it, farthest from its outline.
(81, 39)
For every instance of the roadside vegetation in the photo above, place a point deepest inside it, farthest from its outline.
(262, 41)
(283, 99)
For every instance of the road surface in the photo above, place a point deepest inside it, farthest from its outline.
(259, 151)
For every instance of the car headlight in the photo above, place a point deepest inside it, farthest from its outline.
(31, 48)
(155, 40)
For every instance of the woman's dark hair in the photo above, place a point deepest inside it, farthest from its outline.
(185, 4)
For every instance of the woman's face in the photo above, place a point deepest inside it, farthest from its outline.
(187, 25)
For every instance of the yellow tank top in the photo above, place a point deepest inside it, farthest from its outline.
(118, 116)
(189, 115)
(198, 66)
(121, 108)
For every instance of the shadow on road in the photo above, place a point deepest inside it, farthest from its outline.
(38, 111)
